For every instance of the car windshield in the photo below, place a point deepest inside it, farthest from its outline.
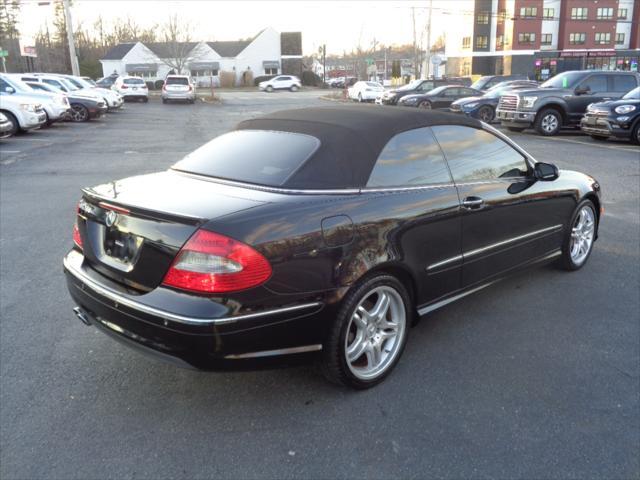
(251, 156)
(478, 84)
(373, 84)
(177, 81)
(437, 90)
(411, 86)
(633, 94)
(89, 81)
(18, 85)
(133, 81)
(563, 80)
(71, 86)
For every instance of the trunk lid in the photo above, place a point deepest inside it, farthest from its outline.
(132, 229)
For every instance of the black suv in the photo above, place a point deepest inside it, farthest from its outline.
(562, 100)
(615, 118)
(391, 97)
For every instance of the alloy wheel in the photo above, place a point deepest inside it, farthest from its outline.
(79, 113)
(486, 114)
(375, 333)
(549, 123)
(582, 235)
(425, 105)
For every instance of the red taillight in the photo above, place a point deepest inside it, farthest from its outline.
(190, 88)
(77, 239)
(212, 263)
(124, 87)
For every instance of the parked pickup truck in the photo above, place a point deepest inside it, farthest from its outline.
(562, 100)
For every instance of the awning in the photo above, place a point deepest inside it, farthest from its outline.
(271, 64)
(204, 66)
(141, 67)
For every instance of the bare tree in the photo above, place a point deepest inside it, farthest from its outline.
(178, 49)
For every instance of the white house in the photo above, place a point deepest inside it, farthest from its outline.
(268, 53)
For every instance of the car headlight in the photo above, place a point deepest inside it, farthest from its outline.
(622, 109)
(470, 105)
(408, 100)
(527, 102)
(29, 107)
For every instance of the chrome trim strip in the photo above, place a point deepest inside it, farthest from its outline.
(447, 301)
(273, 353)
(444, 262)
(492, 246)
(122, 300)
(405, 189)
(511, 240)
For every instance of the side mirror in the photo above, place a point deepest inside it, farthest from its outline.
(546, 172)
(10, 90)
(582, 90)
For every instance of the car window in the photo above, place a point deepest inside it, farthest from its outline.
(475, 155)
(4, 85)
(410, 158)
(595, 83)
(55, 84)
(623, 83)
(426, 86)
(467, 92)
(177, 81)
(133, 81)
(253, 156)
(633, 94)
(452, 92)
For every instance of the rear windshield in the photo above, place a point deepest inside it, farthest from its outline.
(133, 81)
(261, 157)
(177, 81)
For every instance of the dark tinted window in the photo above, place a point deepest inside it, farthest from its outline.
(253, 156)
(56, 84)
(624, 83)
(426, 87)
(177, 81)
(596, 83)
(410, 158)
(475, 154)
(133, 81)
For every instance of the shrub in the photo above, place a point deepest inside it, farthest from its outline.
(262, 78)
(158, 84)
(227, 79)
(309, 78)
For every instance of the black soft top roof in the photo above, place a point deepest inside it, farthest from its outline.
(351, 138)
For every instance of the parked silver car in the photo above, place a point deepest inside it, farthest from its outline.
(6, 127)
(178, 87)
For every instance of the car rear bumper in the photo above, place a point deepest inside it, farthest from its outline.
(178, 95)
(285, 335)
(605, 126)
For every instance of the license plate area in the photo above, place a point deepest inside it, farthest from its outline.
(121, 246)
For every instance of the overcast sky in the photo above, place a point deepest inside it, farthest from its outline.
(342, 25)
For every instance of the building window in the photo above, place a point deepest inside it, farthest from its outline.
(527, 38)
(466, 42)
(483, 18)
(499, 41)
(528, 12)
(271, 71)
(204, 73)
(548, 14)
(604, 13)
(577, 38)
(546, 39)
(622, 13)
(482, 41)
(603, 38)
(619, 38)
(579, 13)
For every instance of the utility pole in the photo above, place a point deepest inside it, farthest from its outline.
(429, 40)
(75, 68)
(415, 45)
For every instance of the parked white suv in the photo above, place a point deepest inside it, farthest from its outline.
(111, 98)
(281, 82)
(178, 87)
(131, 88)
(23, 113)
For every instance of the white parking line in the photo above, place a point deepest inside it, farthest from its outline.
(609, 147)
(10, 151)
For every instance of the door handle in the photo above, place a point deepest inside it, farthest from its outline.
(472, 203)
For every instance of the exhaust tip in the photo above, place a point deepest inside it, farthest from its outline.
(82, 315)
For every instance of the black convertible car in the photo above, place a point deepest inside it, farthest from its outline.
(319, 233)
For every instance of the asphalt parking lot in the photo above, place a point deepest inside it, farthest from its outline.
(535, 377)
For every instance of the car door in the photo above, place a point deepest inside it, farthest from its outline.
(595, 88)
(508, 217)
(412, 213)
(445, 97)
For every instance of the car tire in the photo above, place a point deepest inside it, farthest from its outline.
(164, 100)
(486, 114)
(269, 88)
(79, 113)
(360, 98)
(635, 133)
(516, 129)
(580, 234)
(425, 104)
(548, 122)
(145, 99)
(48, 122)
(15, 126)
(294, 88)
(599, 138)
(365, 343)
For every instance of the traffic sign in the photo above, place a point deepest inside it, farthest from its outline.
(436, 60)
(4, 53)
